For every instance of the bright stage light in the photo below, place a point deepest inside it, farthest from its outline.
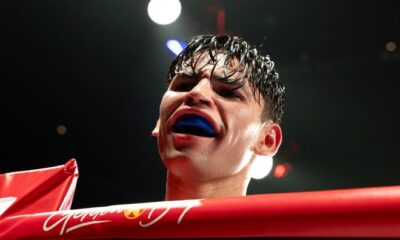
(164, 11)
(175, 46)
(281, 170)
(391, 46)
(61, 129)
(261, 167)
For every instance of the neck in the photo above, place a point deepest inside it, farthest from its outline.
(179, 189)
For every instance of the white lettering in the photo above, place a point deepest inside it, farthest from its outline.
(163, 214)
(65, 219)
(72, 220)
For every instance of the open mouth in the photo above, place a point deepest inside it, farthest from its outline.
(194, 125)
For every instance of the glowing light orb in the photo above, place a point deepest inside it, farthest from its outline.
(391, 46)
(281, 170)
(164, 11)
(261, 167)
(175, 46)
(61, 129)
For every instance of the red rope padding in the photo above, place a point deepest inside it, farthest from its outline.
(38, 190)
(365, 212)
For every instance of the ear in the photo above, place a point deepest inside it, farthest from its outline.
(269, 140)
(156, 129)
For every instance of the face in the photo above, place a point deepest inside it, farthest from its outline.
(234, 114)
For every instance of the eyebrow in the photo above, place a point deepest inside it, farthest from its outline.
(182, 76)
(218, 78)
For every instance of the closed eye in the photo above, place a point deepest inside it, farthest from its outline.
(182, 87)
(182, 84)
(227, 93)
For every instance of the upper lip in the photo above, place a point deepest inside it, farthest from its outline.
(199, 113)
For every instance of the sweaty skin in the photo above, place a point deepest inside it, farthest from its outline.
(204, 166)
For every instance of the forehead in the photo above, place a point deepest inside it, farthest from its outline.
(220, 60)
(224, 68)
(221, 67)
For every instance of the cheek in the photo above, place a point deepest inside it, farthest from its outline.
(244, 126)
(249, 118)
(169, 102)
(164, 102)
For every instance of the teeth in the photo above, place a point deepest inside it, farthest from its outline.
(195, 125)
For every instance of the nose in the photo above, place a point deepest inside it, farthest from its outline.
(200, 94)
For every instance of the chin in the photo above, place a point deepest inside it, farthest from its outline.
(182, 165)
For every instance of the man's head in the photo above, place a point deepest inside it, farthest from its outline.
(254, 68)
(221, 110)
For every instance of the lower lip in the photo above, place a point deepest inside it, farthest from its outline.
(182, 140)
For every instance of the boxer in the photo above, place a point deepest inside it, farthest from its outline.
(221, 113)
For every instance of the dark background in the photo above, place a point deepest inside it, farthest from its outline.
(99, 68)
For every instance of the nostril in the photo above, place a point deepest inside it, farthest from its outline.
(204, 101)
(189, 99)
(194, 98)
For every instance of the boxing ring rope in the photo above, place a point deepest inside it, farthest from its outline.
(362, 213)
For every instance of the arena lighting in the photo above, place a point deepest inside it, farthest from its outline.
(261, 167)
(61, 129)
(391, 46)
(281, 170)
(175, 46)
(164, 11)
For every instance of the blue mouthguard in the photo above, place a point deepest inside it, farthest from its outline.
(195, 125)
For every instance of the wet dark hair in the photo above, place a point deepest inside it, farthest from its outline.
(257, 69)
